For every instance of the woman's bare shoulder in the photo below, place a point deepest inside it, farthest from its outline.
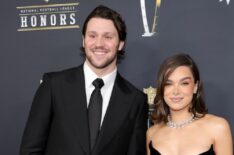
(153, 129)
(221, 133)
(214, 119)
(215, 123)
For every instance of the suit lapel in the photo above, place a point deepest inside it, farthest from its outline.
(115, 115)
(78, 107)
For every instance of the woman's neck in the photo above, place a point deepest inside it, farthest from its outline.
(180, 116)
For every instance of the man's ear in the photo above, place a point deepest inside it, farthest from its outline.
(121, 45)
(83, 41)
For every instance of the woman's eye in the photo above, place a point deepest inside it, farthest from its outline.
(185, 83)
(168, 83)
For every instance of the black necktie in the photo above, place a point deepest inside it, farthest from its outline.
(95, 111)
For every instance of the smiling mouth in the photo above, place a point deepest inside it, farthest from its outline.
(176, 99)
(99, 52)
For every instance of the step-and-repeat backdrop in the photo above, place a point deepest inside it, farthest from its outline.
(45, 35)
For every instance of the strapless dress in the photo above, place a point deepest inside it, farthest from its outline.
(153, 151)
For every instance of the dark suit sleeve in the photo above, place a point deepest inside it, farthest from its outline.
(37, 128)
(138, 141)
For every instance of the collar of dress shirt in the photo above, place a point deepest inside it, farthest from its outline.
(90, 76)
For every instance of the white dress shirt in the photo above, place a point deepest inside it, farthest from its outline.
(106, 90)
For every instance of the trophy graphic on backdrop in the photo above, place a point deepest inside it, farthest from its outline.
(228, 1)
(148, 32)
(151, 93)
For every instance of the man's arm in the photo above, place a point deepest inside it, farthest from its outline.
(37, 128)
(137, 145)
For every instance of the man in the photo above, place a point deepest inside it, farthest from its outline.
(60, 122)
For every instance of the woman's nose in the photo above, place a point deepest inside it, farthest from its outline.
(175, 90)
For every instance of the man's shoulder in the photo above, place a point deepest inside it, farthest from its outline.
(129, 86)
(63, 74)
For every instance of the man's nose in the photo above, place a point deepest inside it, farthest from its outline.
(99, 41)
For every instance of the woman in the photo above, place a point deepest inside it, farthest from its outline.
(181, 123)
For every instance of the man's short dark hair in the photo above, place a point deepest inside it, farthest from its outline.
(107, 13)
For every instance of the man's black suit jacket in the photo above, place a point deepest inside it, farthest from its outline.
(58, 123)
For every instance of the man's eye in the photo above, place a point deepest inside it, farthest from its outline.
(92, 36)
(108, 37)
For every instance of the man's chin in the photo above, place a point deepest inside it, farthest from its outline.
(100, 66)
(101, 63)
